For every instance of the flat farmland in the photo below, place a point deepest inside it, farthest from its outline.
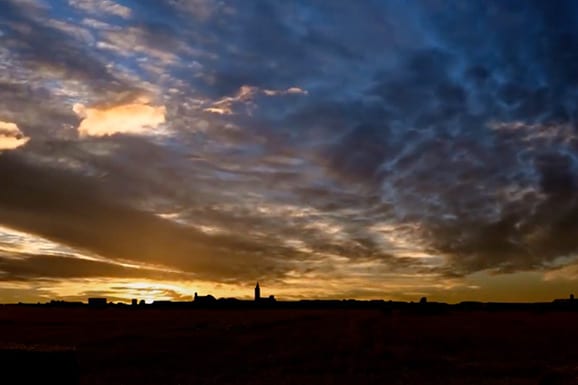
(281, 346)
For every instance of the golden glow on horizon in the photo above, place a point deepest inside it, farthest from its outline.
(517, 287)
(344, 278)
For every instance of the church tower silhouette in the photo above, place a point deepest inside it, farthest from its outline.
(257, 292)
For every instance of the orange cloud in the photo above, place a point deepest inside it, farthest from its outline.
(246, 94)
(133, 118)
(11, 137)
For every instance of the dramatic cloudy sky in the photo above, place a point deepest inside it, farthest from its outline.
(366, 149)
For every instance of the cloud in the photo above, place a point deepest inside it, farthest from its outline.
(245, 97)
(132, 118)
(288, 91)
(54, 267)
(11, 137)
(201, 10)
(44, 50)
(102, 7)
(92, 219)
(322, 140)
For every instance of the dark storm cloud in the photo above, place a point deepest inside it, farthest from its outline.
(78, 211)
(28, 35)
(54, 267)
(468, 131)
(33, 112)
(507, 191)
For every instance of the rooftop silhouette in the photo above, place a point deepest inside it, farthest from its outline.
(421, 306)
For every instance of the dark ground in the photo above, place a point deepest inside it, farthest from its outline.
(171, 346)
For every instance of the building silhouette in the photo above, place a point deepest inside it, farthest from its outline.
(257, 293)
(260, 299)
(204, 299)
(569, 302)
(97, 302)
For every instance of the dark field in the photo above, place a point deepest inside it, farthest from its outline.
(164, 346)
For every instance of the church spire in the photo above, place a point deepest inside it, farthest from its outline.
(257, 292)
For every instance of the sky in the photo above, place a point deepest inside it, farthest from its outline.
(327, 149)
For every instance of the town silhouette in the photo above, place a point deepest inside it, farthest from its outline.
(421, 305)
(263, 340)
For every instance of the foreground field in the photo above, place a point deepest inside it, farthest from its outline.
(154, 346)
